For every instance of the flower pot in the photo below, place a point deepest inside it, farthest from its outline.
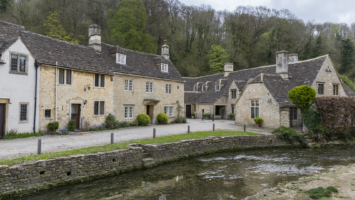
(258, 125)
(192, 117)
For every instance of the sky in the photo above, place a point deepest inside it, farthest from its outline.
(318, 11)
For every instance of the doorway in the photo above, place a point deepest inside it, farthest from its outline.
(75, 114)
(150, 113)
(188, 111)
(2, 120)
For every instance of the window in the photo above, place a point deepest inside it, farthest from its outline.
(128, 112)
(128, 85)
(321, 88)
(168, 88)
(47, 113)
(164, 67)
(23, 112)
(99, 80)
(168, 110)
(217, 86)
(64, 76)
(293, 113)
(61, 76)
(234, 94)
(204, 88)
(232, 109)
(102, 81)
(149, 87)
(335, 89)
(120, 59)
(99, 107)
(68, 77)
(18, 63)
(254, 109)
(195, 88)
(97, 77)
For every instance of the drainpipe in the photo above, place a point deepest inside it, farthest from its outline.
(56, 88)
(35, 111)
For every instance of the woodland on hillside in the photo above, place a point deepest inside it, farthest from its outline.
(201, 38)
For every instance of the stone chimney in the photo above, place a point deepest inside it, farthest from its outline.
(95, 37)
(281, 64)
(228, 67)
(293, 58)
(165, 50)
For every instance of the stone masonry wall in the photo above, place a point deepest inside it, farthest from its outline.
(35, 173)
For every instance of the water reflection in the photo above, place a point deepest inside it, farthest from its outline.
(222, 176)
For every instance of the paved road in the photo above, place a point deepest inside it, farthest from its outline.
(28, 146)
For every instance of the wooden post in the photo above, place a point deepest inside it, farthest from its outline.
(245, 128)
(39, 147)
(112, 138)
(213, 126)
(154, 132)
(188, 129)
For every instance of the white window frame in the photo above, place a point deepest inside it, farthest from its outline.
(169, 111)
(19, 55)
(164, 67)
(149, 87)
(204, 88)
(218, 87)
(128, 85)
(168, 88)
(120, 59)
(195, 88)
(256, 110)
(128, 112)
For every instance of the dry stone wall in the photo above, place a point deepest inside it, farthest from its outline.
(36, 173)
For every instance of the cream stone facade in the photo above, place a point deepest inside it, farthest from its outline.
(143, 102)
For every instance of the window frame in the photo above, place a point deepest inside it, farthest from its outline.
(99, 103)
(164, 67)
(294, 117)
(65, 76)
(169, 111)
(18, 63)
(45, 114)
(335, 85)
(204, 88)
(129, 110)
(318, 88)
(119, 60)
(219, 87)
(254, 109)
(128, 86)
(99, 80)
(232, 109)
(195, 88)
(233, 91)
(149, 87)
(168, 88)
(20, 111)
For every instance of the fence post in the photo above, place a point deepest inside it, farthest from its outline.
(112, 138)
(154, 132)
(245, 128)
(39, 147)
(188, 129)
(213, 126)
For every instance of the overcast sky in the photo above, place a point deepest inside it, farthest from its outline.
(318, 11)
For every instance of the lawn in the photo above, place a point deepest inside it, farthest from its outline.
(21, 135)
(122, 145)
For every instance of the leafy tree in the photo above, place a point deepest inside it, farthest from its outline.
(4, 4)
(57, 31)
(317, 49)
(307, 50)
(126, 26)
(347, 56)
(218, 57)
(302, 96)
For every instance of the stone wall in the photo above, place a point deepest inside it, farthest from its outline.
(35, 173)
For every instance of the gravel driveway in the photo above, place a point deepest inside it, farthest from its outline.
(28, 146)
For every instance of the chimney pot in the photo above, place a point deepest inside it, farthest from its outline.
(281, 64)
(95, 37)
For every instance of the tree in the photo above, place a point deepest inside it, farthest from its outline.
(317, 49)
(4, 4)
(218, 57)
(57, 31)
(302, 96)
(126, 26)
(347, 56)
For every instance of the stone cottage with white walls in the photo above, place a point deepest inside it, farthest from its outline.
(19, 78)
(263, 91)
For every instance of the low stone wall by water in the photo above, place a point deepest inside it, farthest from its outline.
(37, 173)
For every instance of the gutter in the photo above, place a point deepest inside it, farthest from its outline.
(118, 73)
(35, 111)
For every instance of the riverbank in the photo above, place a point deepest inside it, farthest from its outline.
(342, 178)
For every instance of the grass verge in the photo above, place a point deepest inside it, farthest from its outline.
(21, 135)
(122, 145)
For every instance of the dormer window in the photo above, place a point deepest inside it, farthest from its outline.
(195, 88)
(120, 59)
(164, 67)
(218, 86)
(204, 88)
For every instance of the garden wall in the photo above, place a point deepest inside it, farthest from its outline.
(38, 173)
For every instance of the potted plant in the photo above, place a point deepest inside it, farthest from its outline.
(258, 121)
(231, 116)
(193, 115)
(207, 116)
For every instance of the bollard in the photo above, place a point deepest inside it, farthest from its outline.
(188, 129)
(244, 128)
(213, 127)
(112, 138)
(154, 132)
(39, 148)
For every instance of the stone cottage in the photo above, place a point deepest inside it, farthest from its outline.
(86, 83)
(262, 91)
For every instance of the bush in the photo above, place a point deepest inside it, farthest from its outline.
(207, 115)
(290, 135)
(110, 121)
(124, 124)
(258, 120)
(302, 96)
(162, 118)
(231, 116)
(116, 124)
(143, 119)
(71, 126)
(317, 193)
(180, 120)
(53, 126)
(192, 114)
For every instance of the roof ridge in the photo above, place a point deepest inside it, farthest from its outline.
(309, 59)
(133, 50)
(5, 22)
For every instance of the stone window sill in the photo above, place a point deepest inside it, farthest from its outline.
(19, 73)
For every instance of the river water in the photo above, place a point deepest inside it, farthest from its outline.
(221, 176)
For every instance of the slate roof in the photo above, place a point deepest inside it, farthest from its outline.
(54, 52)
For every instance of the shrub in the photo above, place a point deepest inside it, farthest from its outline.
(143, 119)
(110, 121)
(124, 124)
(231, 116)
(116, 124)
(348, 82)
(71, 126)
(290, 135)
(317, 193)
(258, 120)
(207, 115)
(134, 123)
(180, 120)
(53, 126)
(192, 114)
(302, 96)
(162, 118)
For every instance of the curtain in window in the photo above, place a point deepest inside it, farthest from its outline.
(68, 76)
(22, 64)
(14, 61)
(61, 76)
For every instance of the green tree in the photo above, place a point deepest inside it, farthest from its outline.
(307, 54)
(217, 58)
(347, 56)
(317, 49)
(4, 4)
(302, 96)
(126, 26)
(57, 31)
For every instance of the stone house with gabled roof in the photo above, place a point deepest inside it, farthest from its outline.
(86, 83)
(263, 91)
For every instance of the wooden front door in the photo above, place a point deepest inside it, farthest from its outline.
(2, 120)
(75, 114)
(188, 111)
(150, 113)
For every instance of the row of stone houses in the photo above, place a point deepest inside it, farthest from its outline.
(262, 91)
(44, 80)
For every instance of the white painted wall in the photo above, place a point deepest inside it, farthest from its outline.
(19, 88)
